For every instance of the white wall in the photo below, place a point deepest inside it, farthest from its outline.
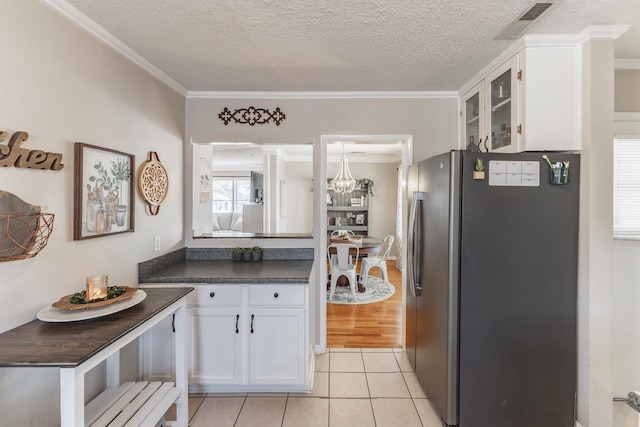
(63, 86)
(299, 197)
(431, 121)
(626, 261)
(595, 264)
(626, 317)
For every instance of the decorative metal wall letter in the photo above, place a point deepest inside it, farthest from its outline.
(12, 155)
(252, 116)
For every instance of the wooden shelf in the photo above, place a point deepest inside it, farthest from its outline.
(347, 227)
(347, 208)
(473, 119)
(506, 101)
(139, 403)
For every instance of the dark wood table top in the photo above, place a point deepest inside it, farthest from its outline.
(69, 344)
(368, 245)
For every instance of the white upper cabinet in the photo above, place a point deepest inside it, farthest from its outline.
(529, 102)
(490, 111)
(550, 102)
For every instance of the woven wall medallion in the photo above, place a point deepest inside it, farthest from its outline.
(252, 116)
(153, 183)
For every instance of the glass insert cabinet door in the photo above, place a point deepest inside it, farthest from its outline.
(501, 111)
(472, 118)
(501, 107)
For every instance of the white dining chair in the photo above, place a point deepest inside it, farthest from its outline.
(343, 265)
(377, 260)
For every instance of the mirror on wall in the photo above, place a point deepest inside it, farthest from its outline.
(253, 190)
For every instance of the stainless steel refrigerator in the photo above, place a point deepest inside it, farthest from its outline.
(492, 288)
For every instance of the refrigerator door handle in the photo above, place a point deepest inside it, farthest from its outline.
(414, 245)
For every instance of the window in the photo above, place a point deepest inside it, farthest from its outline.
(230, 193)
(626, 188)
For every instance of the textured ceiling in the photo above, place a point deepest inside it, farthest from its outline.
(336, 45)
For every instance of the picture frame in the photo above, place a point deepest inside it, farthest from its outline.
(104, 197)
(360, 219)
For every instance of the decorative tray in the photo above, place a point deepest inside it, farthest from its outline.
(64, 303)
(52, 314)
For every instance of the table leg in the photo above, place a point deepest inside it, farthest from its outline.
(71, 397)
(182, 404)
(113, 370)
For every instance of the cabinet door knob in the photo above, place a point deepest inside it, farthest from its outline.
(212, 294)
(237, 319)
(276, 295)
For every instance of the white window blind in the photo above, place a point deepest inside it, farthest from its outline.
(626, 188)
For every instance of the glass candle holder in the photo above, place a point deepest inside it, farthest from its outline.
(97, 286)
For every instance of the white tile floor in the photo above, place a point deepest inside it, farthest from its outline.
(352, 388)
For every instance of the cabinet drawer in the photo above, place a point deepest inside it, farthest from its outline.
(215, 295)
(276, 295)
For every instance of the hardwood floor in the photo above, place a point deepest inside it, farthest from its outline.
(375, 325)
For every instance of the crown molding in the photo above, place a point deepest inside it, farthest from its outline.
(90, 26)
(627, 64)
(603, 32)
(321, 95)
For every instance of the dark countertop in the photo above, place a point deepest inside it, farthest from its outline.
(191, 265)
(68, 344)
(229, 272)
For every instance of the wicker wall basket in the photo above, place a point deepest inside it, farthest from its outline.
(24, 231)
(24, 235)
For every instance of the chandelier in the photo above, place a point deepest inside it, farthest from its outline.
(343, 182)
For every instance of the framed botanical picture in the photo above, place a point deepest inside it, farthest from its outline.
(103, 192)
(360, 219)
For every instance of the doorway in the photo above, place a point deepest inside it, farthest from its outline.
(363, 333)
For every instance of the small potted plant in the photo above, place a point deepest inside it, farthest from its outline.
(478, 173)
(256, 253)
(236, 254)
(247, 254)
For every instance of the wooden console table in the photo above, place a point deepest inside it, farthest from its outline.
(77, 347)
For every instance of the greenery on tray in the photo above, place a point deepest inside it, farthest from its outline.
(112, 292)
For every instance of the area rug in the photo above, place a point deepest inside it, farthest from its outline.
(375, 290)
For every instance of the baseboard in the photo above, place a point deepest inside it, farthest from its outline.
(578, 424)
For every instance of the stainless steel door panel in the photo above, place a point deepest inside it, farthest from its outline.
(434, 310)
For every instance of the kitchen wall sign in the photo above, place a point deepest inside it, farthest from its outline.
(12, 154)
(103, 192)
(252, 116)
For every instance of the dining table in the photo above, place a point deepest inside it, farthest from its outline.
(366, 245)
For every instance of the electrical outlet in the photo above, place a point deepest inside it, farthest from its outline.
(156, 243)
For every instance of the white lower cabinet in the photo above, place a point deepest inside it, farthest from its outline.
(249, 338)
(240, 338)
(211, 331)
(276, 346)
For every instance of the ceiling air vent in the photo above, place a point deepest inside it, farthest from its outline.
(517, 27)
